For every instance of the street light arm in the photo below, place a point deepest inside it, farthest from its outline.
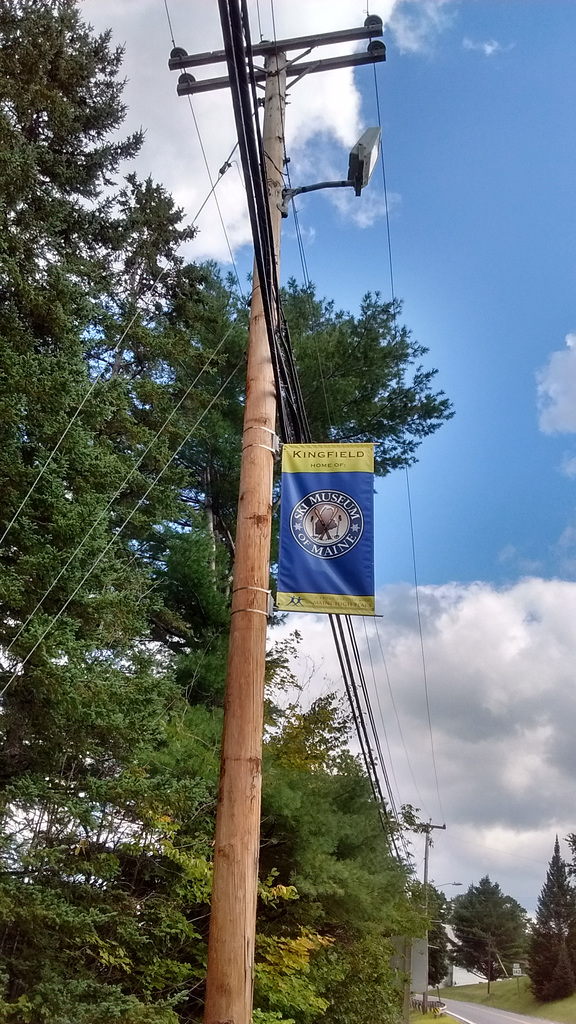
(363, 157)
(289, 193)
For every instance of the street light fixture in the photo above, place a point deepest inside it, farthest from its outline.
(361, 163)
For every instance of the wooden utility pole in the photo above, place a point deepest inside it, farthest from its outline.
(234, 890)
(235, 886)
(427, 830)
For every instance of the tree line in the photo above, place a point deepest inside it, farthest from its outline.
(492, 932)
(121, 399)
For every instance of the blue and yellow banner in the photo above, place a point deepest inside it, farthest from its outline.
(326, 560)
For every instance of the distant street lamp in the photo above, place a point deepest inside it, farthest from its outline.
(361, 163)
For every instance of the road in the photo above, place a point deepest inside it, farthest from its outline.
(472, 1013)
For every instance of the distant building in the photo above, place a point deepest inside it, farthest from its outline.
(459, 975)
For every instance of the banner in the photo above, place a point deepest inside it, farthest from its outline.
(326, 560)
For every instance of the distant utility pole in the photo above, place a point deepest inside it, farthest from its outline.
(428, 843)
(237, 844)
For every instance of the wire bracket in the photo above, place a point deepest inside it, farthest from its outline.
(275, 447)
(270, 606)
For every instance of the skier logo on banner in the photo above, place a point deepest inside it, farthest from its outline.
(327, 523)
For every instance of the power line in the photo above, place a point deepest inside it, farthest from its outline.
(119, 490)
(96, 380)
(213, 186)
(225, 166)
(377, 693)
(413, 546)
(207, 165)
(339, 637)
(393, 701)
(370, 716)
(422, 651)
(344, 659)
(497, 849)
(376, 738)
(119, 531)
(293, 421)
(385, 191)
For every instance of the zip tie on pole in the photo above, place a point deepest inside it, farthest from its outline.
(275, 449)
(258, 611)
(254, 611)
(254, 444)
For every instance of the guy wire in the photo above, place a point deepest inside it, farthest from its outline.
(206, 164)
(120, 529)
(72, 421)
(119, 490)
(395, 321)
(422, 651)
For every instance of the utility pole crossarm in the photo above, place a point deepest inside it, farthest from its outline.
(372, 28)
(376, 52)
(187, 84)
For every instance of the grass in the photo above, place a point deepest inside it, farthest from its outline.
(510, 994)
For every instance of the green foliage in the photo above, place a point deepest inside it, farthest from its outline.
(322, 833)
(363, 987)
(282, 975)
(562, 982)
(372, 385)
(438, 944)
(107, 808)
(120, 429)
(490, 929)
(551, 950)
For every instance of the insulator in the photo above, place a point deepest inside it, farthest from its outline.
(374, 22)
(184, 80)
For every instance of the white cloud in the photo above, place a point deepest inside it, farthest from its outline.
(519, 564)
(500, 672)
(363, 213)
(488, 48)
(565, 551)
(322, 107)
(416, 24)
(557, 390)
(568, 466)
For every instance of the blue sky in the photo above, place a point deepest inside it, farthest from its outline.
(480, 149)
(478, 102)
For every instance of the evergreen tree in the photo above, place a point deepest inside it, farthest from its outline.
(361, 376)
(95, 893)
(438, 944)
(322, 834)
(120, 426)
(550, 951)
(490, 930)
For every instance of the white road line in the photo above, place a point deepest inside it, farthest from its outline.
(500, 1014)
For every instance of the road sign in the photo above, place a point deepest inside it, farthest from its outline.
(516, 971)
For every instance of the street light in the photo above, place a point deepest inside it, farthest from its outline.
(361, 163)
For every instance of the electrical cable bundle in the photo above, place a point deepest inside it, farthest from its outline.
(293, 422)
(238, 47)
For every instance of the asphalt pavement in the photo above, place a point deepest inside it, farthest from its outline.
(473, 1013)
